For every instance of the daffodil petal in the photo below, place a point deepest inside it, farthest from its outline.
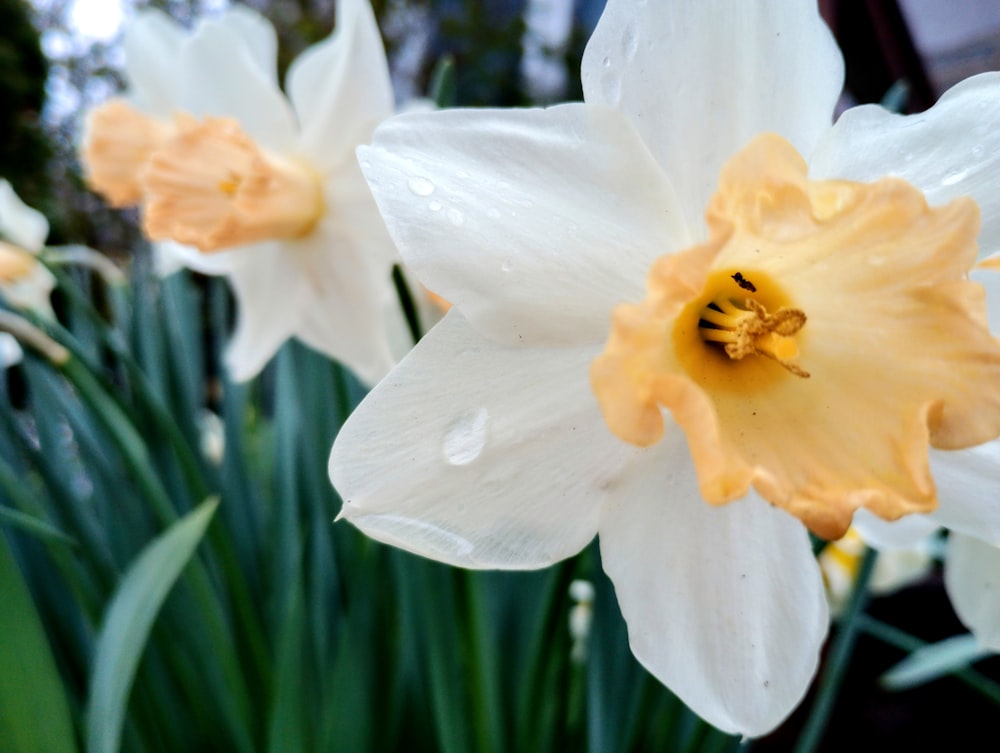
(990, 280)
(967, 490)
(340, 87)
(497, 212)
(258, 35)
(724, 605)
(346, 292)
(269, 297)
(219, 74)
(487, 456)
(10, 351)
(21, 225)
(972, 579)
(152, 42)
(32, 292)
(170, 257)
(951, 150)
(895, 534)
(700, 78)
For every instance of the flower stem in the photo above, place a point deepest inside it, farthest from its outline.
(838, 659)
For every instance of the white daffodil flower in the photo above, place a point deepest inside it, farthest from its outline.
(24, 282)
(801, 338)
(10, 352)
(895, 568)
(235, 179)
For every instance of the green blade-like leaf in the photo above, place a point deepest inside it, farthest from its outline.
(34, 713)
(128, 622)
(930, 662)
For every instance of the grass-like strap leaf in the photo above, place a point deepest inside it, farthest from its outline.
(128, 622)
(34, 714)
(935, 660)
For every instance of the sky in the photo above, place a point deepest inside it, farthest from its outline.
(97, 20)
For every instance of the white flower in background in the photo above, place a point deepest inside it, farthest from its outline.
(238, 180)
(10, 351)
(811, 338)
(840, 562)
(581, 617)
(24, 282)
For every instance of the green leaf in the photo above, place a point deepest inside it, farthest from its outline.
(34, 713)
(129, 620)
(443, 88)
(931, 662)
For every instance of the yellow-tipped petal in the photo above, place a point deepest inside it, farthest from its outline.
(862, 289)
(213, 188)
(15, 263)
(117, 141)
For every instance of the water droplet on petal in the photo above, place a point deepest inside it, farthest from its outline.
(434, 206)
(466, 436)
(456, 217)
(954, 177)
(606, 62)
(508, 265)
(421, 186)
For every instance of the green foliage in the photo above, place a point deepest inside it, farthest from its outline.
(34, 714)
(285, 631)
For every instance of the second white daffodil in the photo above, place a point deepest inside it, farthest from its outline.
(235, 179)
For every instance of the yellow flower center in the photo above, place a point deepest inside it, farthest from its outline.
(737, 317)
(15, 264)
(814, 346)
(117, 141)
(212, 187)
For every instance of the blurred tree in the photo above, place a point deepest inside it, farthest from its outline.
(24, 148)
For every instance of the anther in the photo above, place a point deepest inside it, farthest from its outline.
(751, 330)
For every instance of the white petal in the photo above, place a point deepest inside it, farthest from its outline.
(169, 257)
(219, 75)
(346, 294)
(724, 605)
(904, 533)
(257, 34)
(32, 292)
(972, 578)
(990, 280)
(10, 351)
(270, 299)
(967, 490)
(534, 223)
(477, 454)
(951, 150)
(20, 225)
(340, 88)
(700, 78)
(152, 42)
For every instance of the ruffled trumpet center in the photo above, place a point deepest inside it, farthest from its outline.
(814, 347)
(213, 187)
(117, 141)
